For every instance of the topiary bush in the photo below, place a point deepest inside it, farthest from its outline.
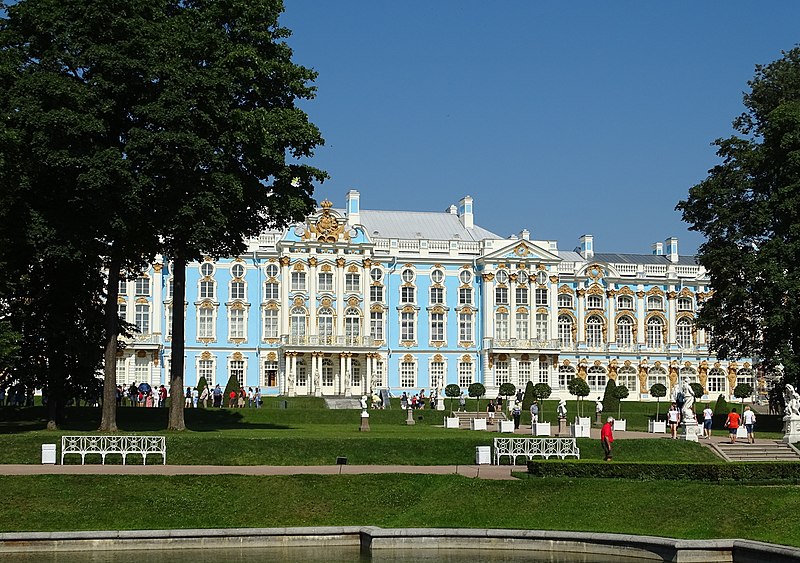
(743, 391)
(610, 401)
(620, 392)
(658, 390)
(528, 397)
(452, 391)
(697, 389)
(507, 389)
(721, 407)
(202, 384)
(233, 385)
(477, 390)
(578, 387)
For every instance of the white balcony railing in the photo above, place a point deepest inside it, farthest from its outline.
(333, 341)
(524, 344)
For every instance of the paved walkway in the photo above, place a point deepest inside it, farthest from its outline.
(494, 472)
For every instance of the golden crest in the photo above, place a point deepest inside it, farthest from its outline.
(328, 228)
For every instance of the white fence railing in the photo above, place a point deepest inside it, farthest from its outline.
(106, 445)
(535, 447)
(315, 340)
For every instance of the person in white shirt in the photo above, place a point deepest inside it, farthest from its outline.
(749, 420)
(708, 416)
(674, 417)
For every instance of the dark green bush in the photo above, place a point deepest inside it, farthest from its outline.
(722, 406)
(610, 401)
(528, 397)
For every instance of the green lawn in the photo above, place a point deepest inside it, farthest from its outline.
(221, 501)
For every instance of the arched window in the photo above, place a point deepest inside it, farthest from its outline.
(683, 333)
(596, 378)
(746, 375)
(565, 330)
(690, 373)
(327, 372)
(565, 301)
(626, 375)
(565, 375)
(325, 325)
(501, 325)
(657, 375)
(655, 333)
(655, 303)
(594, 332)
(302, 374)
(437, 378)
(625, 332)
(352, 324)
(594, 302)
(625, 302)
(297, 321)
(522, 324)
(716, 381)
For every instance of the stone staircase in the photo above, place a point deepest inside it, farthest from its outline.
(342, 403)
(465, 419)
(761, 450)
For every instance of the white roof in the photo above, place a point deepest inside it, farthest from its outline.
(423, 225)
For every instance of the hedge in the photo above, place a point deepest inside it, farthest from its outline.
(755, 472)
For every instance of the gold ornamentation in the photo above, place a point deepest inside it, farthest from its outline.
(624, 290)
(686, 292)
(565, 363)
(553, 279)
(340, 262)
(672, 295)
(325, 268)
(299, 302)
(157, 267)
(542, 311)
(271, 357)
(565, 289)
(466, 358)
(142, 301)
(521, 250)
(312, 262)
(299, 267)
(352, 302)
(408, 358)
(611, 293)
(352, 268)
(595, 271)
(541, 267)
(595, 289)
(238, 356)
(325, 302)
(580, 292)
(640, 294)
(488, 277)
(285, 260)
(523, 310)
(655, 291)
(327, 228)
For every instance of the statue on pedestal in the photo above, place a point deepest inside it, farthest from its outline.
(792, 400)
(562, 408)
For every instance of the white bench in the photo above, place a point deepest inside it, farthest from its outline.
(535, 447)
(122, 445)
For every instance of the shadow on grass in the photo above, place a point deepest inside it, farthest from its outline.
(129, 419)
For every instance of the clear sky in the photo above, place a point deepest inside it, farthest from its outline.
(562, 117)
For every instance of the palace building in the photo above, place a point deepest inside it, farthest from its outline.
(356, 300)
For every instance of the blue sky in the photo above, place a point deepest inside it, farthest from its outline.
(565, 118)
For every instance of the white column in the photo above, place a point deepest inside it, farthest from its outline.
(340, 296)
(488, 308)
(368, 372)
(285, 305)
(612, 302)
(312, 296)
(640, 334)
(552, 306)
(348, 370)
(512, 310)
(671, 312)
(158, 299)
(580, 295)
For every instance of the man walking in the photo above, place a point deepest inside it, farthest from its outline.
(607, 437)
(749, 421)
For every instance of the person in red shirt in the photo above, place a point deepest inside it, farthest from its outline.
(732, 424)
(607, 437)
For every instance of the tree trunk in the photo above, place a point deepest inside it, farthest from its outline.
(176, 420)
(108, 420)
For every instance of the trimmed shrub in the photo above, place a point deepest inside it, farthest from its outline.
(610, 401)
(202, 384)
(722, 406)
(233, 385)
(658, 390)
(528, 397)
(697, 389)
(507, 389)
(452, 390)
(620, 392)
(477, 390)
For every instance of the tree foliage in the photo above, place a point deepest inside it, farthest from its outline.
(507, 389)
(452, 390)
(658, 390)
(748, 210)
(577, 386)
(529, 396)
(743, 391)
(476, 390)
(610, 401)
(620, 392)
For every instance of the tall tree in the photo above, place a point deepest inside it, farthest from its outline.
(748, 209)
(225, 144)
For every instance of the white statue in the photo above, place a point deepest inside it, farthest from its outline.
(562, 408)
(792, 400)
(687, 412)
(363, 403)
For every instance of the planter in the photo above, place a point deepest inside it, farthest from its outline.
(584, 421)
(541, 429)
(579, 430)
(741, 432)
(507, 426)
(621, 425)
(483, 455)
(478, 424)
(657, 426)
(451, 422)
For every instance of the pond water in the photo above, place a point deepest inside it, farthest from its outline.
(310, 555)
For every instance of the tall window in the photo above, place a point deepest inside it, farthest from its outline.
(716, 381)
(352, 323)
(501, 296)
(437, 374)
(122, 311)
(501, 373)
(407, 294)
(524, 372)
(236, 370)
(594, 332)
(208, 289)
(465, 371)
(237, 290)
(565, 330)
(325, 324)
(352, 282)
(168, 319)
(541, 326)
(376, 325)
(297, 321)
(236, 323)
(437, 296)
(143, 285)
(565, 301)
(596, 378)
(327, 372)
(657, 375)
(501, 325)
(270, 323)
(541, 297)
(407, 326)
(408, 374)
(376, 293)
(122, 286)
(522, 323)
(271, 290)
(298, 281)
(684, 303)
(544, 372)
(625, 332)
(683, 333)
(205, 322)
(437, 327)
(655, 333)
(465, 296)
(301, 374)
(142, 318)
(522, 295)
(271, 373)
(377, 373)
(205, 368)
(325, 281)
(464, 327)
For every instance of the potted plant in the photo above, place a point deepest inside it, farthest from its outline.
(580, 389)
(477, 390)
(620, 392)
(541, 391)
(658, 390)
(452, 390)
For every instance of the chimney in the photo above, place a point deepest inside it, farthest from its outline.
(587, 246)
(452, 210)
(658, 249)
(353, 207)
(671, 245)
(525, 234)
(465, 212)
